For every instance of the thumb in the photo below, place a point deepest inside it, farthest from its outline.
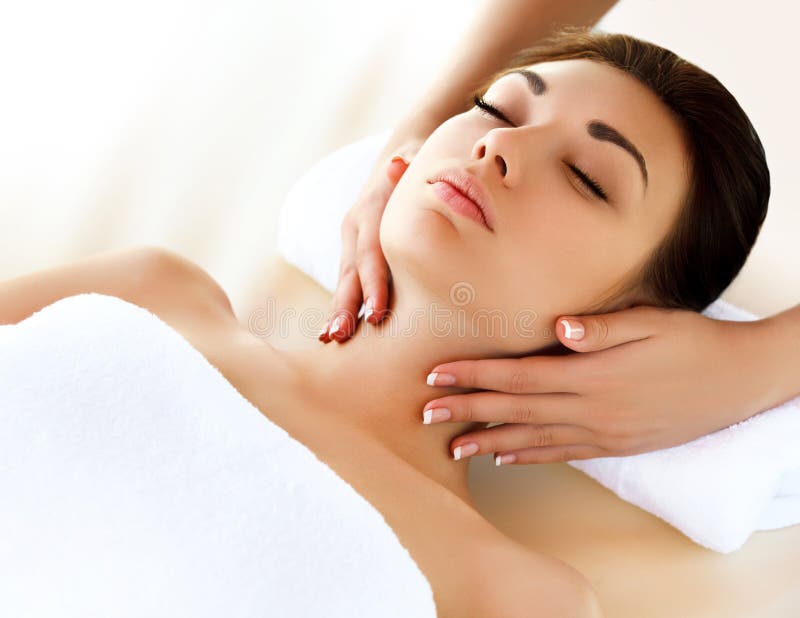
(396, 168)
(589, 333)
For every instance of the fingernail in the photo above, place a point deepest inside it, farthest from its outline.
(396, 158)
(337, 324)
(465, 450)
(324, 330)
(370, 304)
(435, 415)
(573, 329)
(505, 459)
(440, 379)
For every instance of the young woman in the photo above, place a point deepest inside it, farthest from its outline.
(602, 172)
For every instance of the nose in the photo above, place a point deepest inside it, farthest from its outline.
(497, 151)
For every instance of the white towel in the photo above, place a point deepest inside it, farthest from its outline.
(717, 490)
(136, 481)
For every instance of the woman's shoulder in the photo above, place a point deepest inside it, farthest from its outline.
(177, 282)
(513, 580)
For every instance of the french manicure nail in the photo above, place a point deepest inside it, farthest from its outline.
(337, 324)
(573, 329)
(440, 379)
(509, 458)
(465, 450)
(370, 305)
(435, 415)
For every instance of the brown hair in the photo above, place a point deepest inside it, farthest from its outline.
(729, 184)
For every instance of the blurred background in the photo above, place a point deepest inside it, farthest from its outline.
(184, 124)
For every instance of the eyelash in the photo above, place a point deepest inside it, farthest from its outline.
(589, 182)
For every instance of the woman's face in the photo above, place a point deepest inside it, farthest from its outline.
(557, 247)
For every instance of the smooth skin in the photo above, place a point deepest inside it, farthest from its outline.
(634, 387)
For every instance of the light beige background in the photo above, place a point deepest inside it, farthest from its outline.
(183, 124)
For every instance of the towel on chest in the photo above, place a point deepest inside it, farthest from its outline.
(136, 481)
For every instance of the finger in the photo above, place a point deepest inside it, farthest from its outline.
(511, 437)
(531, 374)
(597, 332)
(347, 298)
(373, 272)
(550, 454)
(343, 324)
(492, 407)
(342, 321)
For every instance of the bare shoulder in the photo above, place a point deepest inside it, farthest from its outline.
(170, 281)
(516, 581)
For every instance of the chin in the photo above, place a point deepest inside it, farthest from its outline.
(416, 228)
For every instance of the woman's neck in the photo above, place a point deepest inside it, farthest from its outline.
(376, 380)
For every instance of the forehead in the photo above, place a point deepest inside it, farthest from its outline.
(611, 94)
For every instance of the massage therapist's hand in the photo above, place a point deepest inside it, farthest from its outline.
(363, 271)
(645, 378)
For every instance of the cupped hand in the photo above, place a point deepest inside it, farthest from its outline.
(645, 378)
(363, 271)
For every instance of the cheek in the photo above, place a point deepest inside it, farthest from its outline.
(561, 254)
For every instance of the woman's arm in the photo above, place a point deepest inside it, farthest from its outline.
(151, 277)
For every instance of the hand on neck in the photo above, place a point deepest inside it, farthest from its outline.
(376, 380)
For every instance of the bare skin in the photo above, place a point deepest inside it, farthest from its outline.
(473, 569)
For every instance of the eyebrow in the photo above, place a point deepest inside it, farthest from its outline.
(537, 85)
(600, 130)
(595, 128)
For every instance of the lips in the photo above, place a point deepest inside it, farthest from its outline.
(465, 193)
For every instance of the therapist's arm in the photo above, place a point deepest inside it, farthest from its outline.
(498, 30)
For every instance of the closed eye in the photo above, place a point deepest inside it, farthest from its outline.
(588, 182)
(490, 109)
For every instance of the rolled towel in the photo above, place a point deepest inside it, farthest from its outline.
(136, 481)
(717, 490)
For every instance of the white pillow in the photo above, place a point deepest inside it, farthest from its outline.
(717, 489)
